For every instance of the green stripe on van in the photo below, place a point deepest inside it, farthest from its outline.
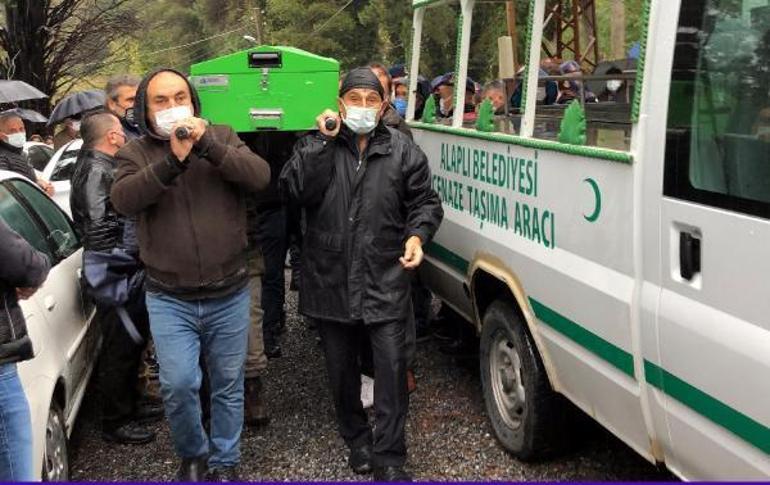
(744, 427)
(448, 257)
(720, 413)
(613, 354)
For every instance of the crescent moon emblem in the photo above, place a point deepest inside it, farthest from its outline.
(598, 194)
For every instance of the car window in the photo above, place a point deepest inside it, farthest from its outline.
(65, 166)
(718, 143)
(19, 219)
(61, 235)
(39, 156)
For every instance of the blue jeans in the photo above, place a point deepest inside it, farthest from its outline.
(218, 328)
(15, 428)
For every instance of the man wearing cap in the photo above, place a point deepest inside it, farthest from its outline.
(366, 191)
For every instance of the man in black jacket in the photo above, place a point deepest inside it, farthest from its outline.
(22, 271)
(103, 229)
(366, 190)
(13, 136)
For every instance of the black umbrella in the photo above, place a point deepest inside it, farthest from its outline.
(75, 104)
(12, 91)
(26, 114)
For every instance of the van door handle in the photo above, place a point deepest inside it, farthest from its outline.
(689, 255)
(49, 302)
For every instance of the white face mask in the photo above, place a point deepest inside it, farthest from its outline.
(360, 120)
(614, 84)
(166, 119)
(17, 139)
(75, 125)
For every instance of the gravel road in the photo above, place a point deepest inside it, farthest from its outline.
(448, 433)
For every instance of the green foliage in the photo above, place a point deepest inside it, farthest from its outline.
(429, 111)
(573, 125)
(486, 119)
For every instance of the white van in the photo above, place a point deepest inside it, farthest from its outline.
(627, 266)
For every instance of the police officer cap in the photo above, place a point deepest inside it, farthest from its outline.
(361, 78)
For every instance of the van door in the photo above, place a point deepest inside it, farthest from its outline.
(714, 313)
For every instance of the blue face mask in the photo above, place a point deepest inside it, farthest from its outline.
(400, 105)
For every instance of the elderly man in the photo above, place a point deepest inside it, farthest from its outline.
(370, 208)
(13, 136)
(120, 94)
(187, 181)
(103, 229)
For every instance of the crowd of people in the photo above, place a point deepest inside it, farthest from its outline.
(561, 83)
(206, 217)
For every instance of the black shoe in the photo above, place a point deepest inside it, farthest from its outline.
(128, 434)
(273, 350)
(360, 459)
(148, 413)
(391, 474)
(192, 470)
(224, 474)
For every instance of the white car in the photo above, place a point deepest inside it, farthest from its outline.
(60, 323)
(38, 154)
(59, 171)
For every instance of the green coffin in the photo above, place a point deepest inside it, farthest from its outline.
(266, 88)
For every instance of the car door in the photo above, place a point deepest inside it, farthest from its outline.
(66, 310)
(714, 311)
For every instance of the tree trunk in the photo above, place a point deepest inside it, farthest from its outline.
(618, 29)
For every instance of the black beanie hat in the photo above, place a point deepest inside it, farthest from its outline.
(361, 77)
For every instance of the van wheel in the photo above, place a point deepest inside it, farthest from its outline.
(525, 412)
(56, 467)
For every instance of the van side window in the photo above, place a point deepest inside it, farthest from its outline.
(438, 56)
(718, 134)
(589, 56)
(496, 68)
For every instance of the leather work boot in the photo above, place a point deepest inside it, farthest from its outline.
(255, 411)
(224, 474)
(128, 434)
(192, 470)
(360, 459)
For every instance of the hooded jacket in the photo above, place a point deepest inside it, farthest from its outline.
(191, 215)
(360, 209)
(21, 266)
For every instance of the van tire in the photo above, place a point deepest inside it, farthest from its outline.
(524, 411)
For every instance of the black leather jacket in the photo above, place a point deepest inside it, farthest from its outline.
(12, 159)
(21, 266)
(98, 225)
(360, 209)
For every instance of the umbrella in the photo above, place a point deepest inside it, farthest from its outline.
(114, 279)
(12, 91)
(75, 104)
(26, 114)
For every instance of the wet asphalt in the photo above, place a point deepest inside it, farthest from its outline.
(449, 436)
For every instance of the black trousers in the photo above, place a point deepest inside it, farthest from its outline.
(341, 343)
(274, 241)
(118, 366)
